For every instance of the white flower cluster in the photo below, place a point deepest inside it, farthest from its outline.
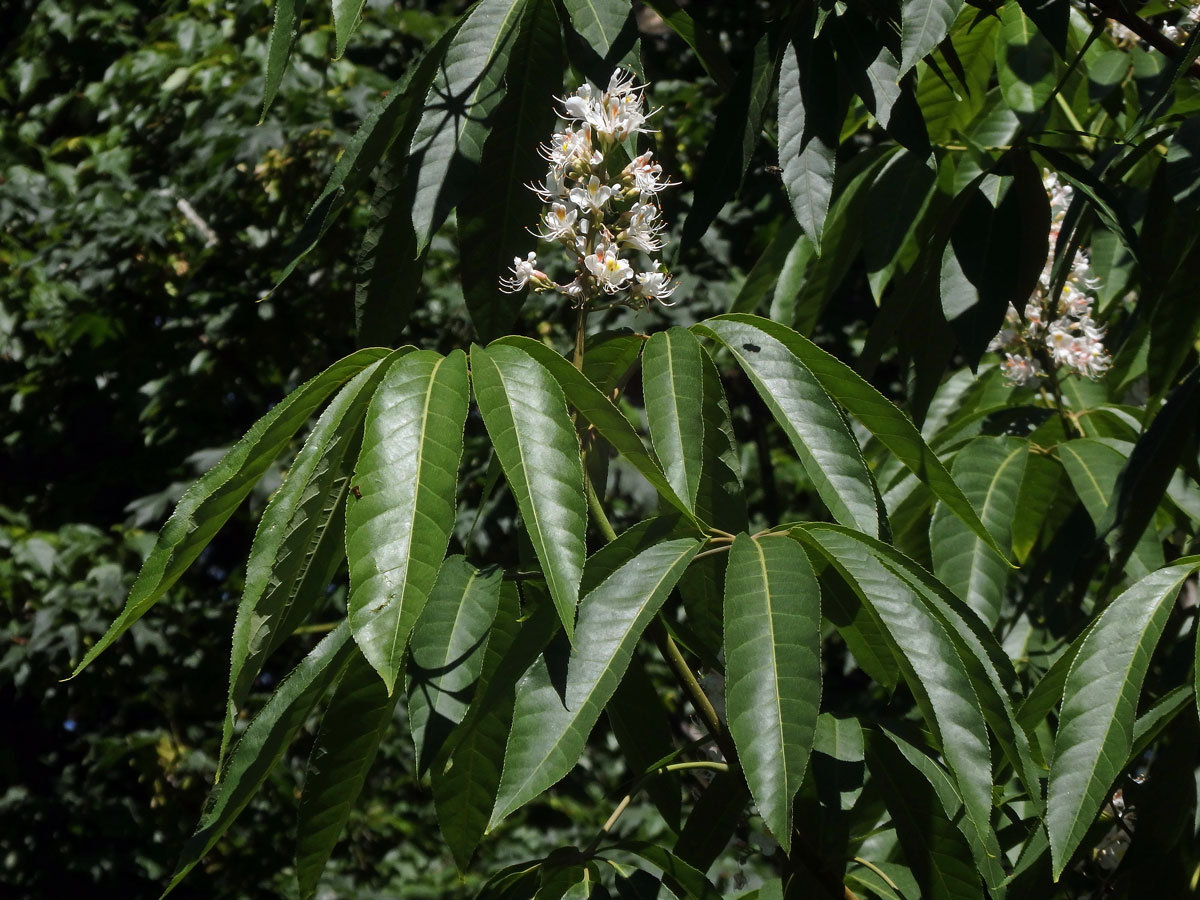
(1072, 339)
(600, 217)
(1178, 32)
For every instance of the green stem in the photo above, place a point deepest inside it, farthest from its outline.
(597, 509)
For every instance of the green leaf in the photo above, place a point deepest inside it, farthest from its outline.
(683, 880)
(279, 47)
(924, 25)
(989, 471)
(1039, 486)
(390, 123)
(721, 498)
(820, 436)
(1095, 730)
(1025, 62)
(672, 382)
(447, 652)
(466, 774)
(600, 412)
(706, 46)
(209, 503)
(400, 521)
(937, 676)
(736, 133)
(772, 670)
(345, 20)
(933, 846)
(358, 716)
(468, 88)
(299, 542)
(765, 275)
(946, 112)
(526, 416)
(808, 135)
(264, 741)
(493, 216)
(888, 424)
(549, 731)
(713, 821)
(599, 23)
(387, 270)
(610, 357)
(1093, 468)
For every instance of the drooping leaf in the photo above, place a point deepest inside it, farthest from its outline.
(764, 275)
(895, 201)
(447, 143)
(1093, 468)
(713, 821)
(609, 357)
(721, 498)
(987, 261)
(933, 846)
(945, 107)
(299, 543)
(447, 652)
(809, 124)
(808, 416)
(600, 412)
(209, 503)
(284, 29)
(1095, 730)
(938, 678)
(526, 416)
(466, 773)
(672, 383)
(391, 122)
(493, 217)
(923, 25)
(1039, 485)
(358, 716)
(736, 133)
(772, 670)
(549, 731)
(401, 517)
(264, 741)
(345, 20)
(683, 880)
(880, 416)
(989, 470)
(1025, 62)
(600, 23)
(706, 46)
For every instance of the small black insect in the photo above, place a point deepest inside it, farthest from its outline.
(753, 348)
(356, 492)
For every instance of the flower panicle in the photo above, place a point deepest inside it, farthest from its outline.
(1059, 330)
(603, 220)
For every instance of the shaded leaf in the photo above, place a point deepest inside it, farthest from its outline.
(1025, 62)
(672, 383)
(923, 25)
(549, 731)
(808, 133)
(284, 29)
(345, 20)
(264, 741)
(447, 652)
(358, 716)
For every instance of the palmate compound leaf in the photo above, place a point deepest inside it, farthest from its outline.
(772, 670)
(672, 383)
(601, 413)
(447, 650)
(264, 741)
(879, 415)
(399, 522)
(299, 543)
(549, 730)
(358, 716)
(1100, 698)
(937, 675)
(534, 438)
(823, 441)
(209, 503)
(989, 471)
(466, 772)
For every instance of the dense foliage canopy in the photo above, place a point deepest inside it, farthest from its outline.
(795, 493)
